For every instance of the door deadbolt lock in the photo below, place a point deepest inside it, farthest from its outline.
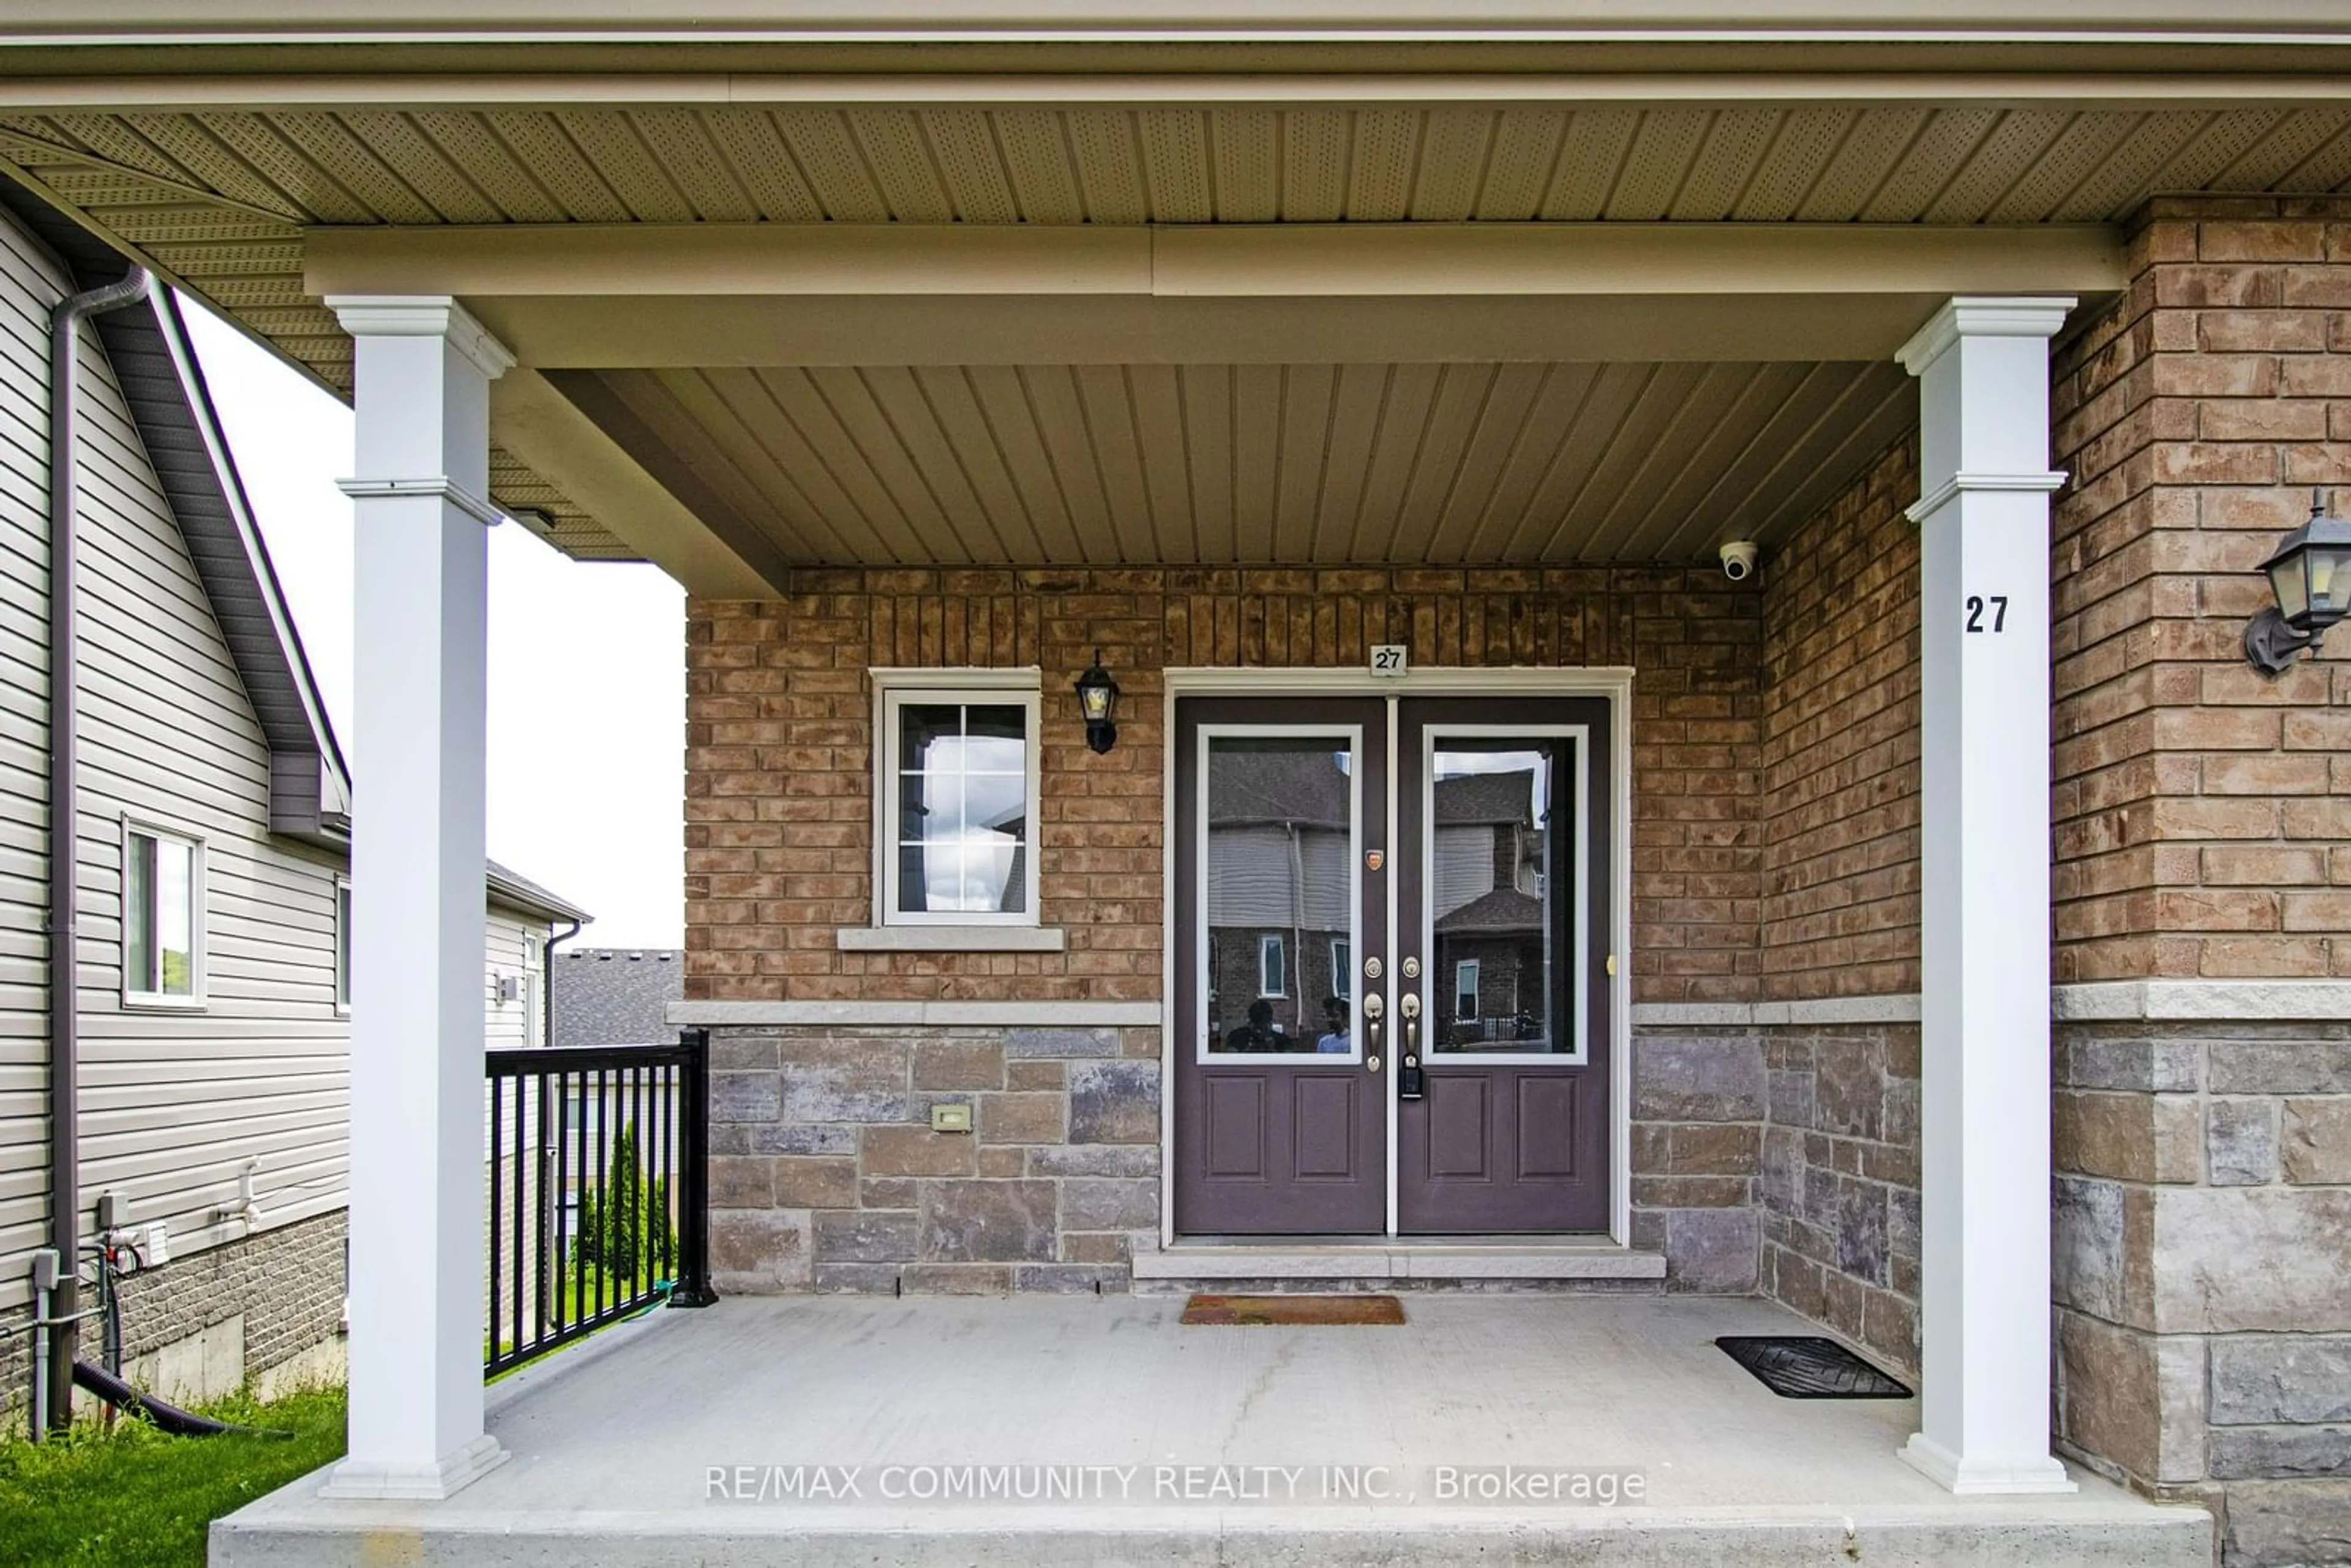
(1412, 968)
(1374, 968)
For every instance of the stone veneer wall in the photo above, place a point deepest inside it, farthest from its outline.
(1839, 1181)
(826, 1176)
(286, 1283)
(825, 1173)
(2203, 1273)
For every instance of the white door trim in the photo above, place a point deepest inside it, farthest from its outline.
(1612, 683)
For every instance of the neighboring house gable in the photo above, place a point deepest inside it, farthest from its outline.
(197, 724)
(617, 995)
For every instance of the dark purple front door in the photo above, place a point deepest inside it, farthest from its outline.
(1502, 858)
(1281, 1119)
(1392, 930)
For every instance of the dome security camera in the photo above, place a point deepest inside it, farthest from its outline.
(1738, 558)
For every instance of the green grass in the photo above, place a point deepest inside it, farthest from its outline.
(136, 1498)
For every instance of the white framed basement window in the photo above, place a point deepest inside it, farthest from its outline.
(955, 794)
(163, 917)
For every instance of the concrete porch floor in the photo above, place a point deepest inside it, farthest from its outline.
(613, 1444)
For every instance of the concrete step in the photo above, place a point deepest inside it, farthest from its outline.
(1955, 1536)
(1482, 1263)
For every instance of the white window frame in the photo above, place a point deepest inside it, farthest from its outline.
(1275, 944)
(896, 688)
(1468, 967)
(341, 979)
(199, 901)
(1343, 968)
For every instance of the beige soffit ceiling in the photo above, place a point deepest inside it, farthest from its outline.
(1216, 464)
(221, 199)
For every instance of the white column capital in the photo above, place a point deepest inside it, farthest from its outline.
(1981, 316)
(423, 316)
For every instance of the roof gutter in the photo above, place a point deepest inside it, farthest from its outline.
(64, 817)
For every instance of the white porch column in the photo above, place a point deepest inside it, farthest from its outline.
(420, 660)
(1983, 372)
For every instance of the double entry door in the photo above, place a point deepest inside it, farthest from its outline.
(1391, 944)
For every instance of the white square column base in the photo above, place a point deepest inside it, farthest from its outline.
(1983, 1477)
(416, 1483)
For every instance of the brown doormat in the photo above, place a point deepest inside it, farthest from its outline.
(1285, 1311)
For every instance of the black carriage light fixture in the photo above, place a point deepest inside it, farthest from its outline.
(2310, 573)
(1098, 700)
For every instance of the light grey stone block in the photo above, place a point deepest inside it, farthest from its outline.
(2280, 1453)
(1094, 1160)
(787, 1139)
(2280, 1067)
(1021, 1043)
(745, 1096)
(2280, 1378)
(844, 1081)
(2240, 1141)
(1114, 1102)
(1713, 1248)
(1680, 1078)
(2269, 1258)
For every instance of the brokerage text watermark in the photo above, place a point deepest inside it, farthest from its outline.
(1214, 1485)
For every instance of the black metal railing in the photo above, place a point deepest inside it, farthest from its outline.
(597, 1186)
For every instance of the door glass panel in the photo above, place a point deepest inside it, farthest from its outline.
(1498, 852)
(1279, 893)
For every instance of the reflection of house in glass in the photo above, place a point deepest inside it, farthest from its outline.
(1489, 983)
(1279, 843)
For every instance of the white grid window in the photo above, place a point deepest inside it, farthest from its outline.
(1272, 966)
(957, 803)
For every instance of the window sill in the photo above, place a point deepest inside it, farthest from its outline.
(135, 1003)
(951, 940)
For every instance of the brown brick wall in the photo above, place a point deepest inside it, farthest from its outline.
(1840, 915)
(2200, 809)
(779, 792)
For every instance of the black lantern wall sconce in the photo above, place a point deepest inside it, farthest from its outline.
(2310, 574)
(1098, 701)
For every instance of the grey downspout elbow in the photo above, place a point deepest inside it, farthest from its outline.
(547, 980)
(64, 818)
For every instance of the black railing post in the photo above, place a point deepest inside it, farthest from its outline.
(693, 1287)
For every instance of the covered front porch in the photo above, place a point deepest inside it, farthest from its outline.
(822, 1430)
(1229, 362)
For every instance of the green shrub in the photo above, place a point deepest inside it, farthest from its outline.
(626, 1231)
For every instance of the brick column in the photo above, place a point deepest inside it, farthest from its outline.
(2203, 895)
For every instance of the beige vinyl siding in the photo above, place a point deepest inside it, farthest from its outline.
(512, 944)
(1268, 875)
(1463, 868)
(176, 1104)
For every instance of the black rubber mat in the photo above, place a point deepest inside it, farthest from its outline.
(1807, 1366)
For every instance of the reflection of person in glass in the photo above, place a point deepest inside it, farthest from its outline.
(1334, 1038)
(1259, 1035)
